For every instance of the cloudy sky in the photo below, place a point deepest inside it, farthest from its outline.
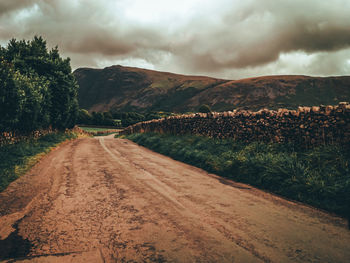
(221, 38)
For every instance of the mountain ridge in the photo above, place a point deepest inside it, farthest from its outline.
(136, 89)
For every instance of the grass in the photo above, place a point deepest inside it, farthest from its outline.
(97, 131)
(17, 159)
(319, 176)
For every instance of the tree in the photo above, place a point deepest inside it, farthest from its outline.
(204, 109)
(97, 118)
(11, 96)
(38, 88)
(84, 117)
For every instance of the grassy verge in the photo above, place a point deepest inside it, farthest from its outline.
(96, 131)
(319, 176)
(17, 159)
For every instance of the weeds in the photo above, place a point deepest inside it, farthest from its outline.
(16, 159)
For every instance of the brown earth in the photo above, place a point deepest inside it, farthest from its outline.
(109, 200)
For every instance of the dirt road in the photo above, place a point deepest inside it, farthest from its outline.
(109, 200)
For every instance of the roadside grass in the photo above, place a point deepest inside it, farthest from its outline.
(105, 133)
(17, 159)
(99, 131)
(319, 177)
(95, 129)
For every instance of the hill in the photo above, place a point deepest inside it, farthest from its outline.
(135, 89)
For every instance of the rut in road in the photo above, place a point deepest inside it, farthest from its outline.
(110, 200)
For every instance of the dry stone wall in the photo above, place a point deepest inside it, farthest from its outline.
(307, 126)
(13, 137)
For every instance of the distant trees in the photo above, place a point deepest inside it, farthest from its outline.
(84, 117)
(37, 87)
(116, 118)
(97, 118)
(204, 109)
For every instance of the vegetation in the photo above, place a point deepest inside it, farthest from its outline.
(116, 118)
(17, 159)
(99, 131)
(38, 90)
(94, 129)
(318, 176)
(97, 118)
(204, 109)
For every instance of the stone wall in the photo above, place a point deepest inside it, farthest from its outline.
(13, 137)
(308, 126)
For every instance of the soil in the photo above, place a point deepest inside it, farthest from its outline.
(110, 200)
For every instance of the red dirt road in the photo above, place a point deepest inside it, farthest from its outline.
(109, 200)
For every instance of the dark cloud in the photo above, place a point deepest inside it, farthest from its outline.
(260, 32)
(100, 43)
(13, 5)
(241, 37)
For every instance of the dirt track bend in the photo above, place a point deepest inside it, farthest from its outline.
(109, 200)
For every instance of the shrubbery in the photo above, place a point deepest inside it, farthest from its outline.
(37, 88)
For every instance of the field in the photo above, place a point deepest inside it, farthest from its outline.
(17, 159)
(319, 176)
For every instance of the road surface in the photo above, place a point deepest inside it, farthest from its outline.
(110, 200)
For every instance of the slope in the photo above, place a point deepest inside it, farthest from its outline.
(127, 89)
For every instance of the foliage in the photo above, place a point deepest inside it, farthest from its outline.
(204, 109)
(318, 176)
(96, 129)
(130, 118)
(84, 117)
(99, 131)
(37, 88)
(97, 118)
(18, 158)
(116, 118)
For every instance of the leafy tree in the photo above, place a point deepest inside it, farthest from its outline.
(11, 96)
(34, 113)
(38, 88)
(84, 117)
(97, 118)
(204, 109)
(107, 115)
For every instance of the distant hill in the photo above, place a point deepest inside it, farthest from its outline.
(135, 89)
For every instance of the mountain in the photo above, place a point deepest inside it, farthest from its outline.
(135, 89)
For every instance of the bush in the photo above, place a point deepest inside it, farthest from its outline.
(204, 109)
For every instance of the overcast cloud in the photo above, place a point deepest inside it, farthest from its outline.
(221, 38)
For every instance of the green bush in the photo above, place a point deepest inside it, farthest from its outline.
(38, 89)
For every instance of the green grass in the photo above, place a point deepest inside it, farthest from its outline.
(104, 133)
(17, 159)
(97, 129)
(319, 176)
